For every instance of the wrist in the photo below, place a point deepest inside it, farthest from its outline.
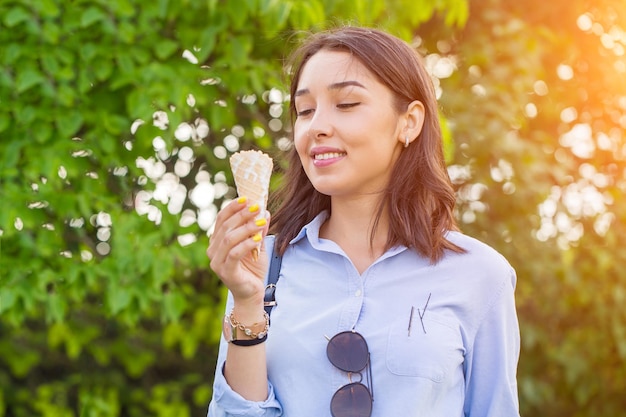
(239, 333)
(249, 311)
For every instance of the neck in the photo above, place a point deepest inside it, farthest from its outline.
(350, 226)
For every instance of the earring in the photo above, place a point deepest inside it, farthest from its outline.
(406, 141)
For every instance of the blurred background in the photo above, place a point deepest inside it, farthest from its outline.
(117, 118)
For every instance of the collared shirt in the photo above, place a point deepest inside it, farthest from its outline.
(455, 356)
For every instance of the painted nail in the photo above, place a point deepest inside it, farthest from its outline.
(257, 237)
(261, 222)
(253, 208)
(242, 200)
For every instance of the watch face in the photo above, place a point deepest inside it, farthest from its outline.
(228, 329)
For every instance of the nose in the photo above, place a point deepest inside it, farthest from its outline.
(321, 124)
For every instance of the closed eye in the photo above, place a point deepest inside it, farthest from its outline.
(347, 105)
(307, 112)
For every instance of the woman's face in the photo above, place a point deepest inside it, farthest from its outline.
(347, 133)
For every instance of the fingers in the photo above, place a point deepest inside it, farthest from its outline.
(236, 233)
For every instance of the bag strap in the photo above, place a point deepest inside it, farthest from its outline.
(269, 300)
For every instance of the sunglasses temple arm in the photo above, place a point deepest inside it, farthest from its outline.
(370, 380)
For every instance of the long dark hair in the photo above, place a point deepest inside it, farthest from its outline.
(419, 198)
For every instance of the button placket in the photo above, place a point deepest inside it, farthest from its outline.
(350, 313)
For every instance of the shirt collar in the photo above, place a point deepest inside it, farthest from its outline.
(312, 229)
(312, 232)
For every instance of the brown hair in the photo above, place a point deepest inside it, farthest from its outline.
(419, 198)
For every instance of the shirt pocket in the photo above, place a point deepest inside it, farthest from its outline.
(432, 349)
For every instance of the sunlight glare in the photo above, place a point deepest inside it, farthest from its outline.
(584, 22)
(565, 72)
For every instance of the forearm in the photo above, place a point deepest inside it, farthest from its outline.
(245, 369)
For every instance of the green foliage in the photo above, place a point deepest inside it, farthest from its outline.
(543, 200)
(110, 111)
(103, 311)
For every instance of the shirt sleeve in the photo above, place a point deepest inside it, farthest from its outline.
(226, 402)
(491, 362)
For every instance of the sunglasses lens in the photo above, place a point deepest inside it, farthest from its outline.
(348, 351)
(352, 400)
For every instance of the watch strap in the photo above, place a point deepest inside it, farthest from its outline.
(249, 342)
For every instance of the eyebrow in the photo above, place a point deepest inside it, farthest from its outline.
(334, 86)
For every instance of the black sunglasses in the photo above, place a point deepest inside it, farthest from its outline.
(348, 351)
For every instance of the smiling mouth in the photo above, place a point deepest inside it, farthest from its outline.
(329, 155)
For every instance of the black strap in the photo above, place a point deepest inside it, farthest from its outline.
(251, 342)
(272, 279)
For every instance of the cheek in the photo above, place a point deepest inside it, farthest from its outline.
(299, 140)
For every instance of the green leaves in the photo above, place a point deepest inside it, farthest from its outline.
(69, 122)
(566, 293)
(46, 8)
(15, 16)
(28, 79)
(92, 15)
(125, 314)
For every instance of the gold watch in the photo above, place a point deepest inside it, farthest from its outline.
(240, 335)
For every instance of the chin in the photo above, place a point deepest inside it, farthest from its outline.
(326, 189)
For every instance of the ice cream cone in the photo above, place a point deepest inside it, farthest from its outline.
(252, 171)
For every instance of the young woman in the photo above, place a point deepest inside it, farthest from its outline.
(383, 307)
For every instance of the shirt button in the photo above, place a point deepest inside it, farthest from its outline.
(357, 293)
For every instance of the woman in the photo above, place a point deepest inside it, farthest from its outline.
(424, 315)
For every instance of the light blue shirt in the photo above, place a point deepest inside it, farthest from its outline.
(459, 358)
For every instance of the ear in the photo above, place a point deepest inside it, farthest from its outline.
(413, 122)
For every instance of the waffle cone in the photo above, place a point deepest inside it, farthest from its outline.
(252, 171)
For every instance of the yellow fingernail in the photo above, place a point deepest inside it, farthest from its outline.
(261, 222)
(257, 237)
(253, 208)
(242, 200)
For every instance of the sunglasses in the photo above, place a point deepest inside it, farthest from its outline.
(348, 351)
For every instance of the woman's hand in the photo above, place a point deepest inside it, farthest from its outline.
(231, 247)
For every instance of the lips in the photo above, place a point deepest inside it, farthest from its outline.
(324, 156)
(328, 155)
(326, 152)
